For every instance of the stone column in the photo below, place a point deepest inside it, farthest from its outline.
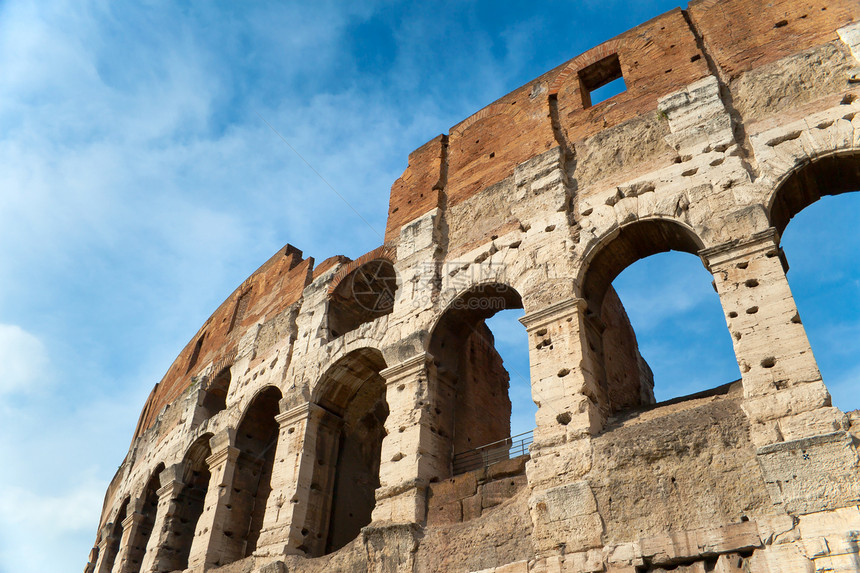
(567, 380)
(299, 510)
(417, 447)
(104, 562)
(162, 543)
(784, 395)
(92, 560)
(130, 530)
(214, 544)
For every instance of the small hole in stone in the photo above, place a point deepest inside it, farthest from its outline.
(291, 430)
(564, 418)
(796, 319)
(550, 228)
(493, 154)
(401, 387)
(768, 362)
(751, 283)
(733, 314)
(752, 310)
(696, 58)
(563, 372)
(848, 99)
(781, 24)
(742, 265)
(541, 332)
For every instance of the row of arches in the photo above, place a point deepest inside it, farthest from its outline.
(474, 405)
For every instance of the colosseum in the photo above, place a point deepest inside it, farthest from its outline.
(353, 415)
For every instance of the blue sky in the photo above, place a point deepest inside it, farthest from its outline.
(139, 186)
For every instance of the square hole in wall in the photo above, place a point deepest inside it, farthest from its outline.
(601, 80)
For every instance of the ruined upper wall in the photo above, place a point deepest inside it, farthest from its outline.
(726, 38)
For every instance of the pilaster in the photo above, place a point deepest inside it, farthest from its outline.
(784, 395)
(417, 448)
(162, 544)
(125, 562)
(302, 480)
(212, 544)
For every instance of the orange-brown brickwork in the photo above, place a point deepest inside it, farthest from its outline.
(741, 35)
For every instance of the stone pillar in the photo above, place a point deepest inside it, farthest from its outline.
(784, 395)
(162, 544)
(566, 378)
(104, 562)
(130, 530)
(297, 518)
(417, 447)
(214, 544)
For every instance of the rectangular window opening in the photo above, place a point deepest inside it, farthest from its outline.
(601, 80)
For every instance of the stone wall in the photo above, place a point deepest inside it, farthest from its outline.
(312, 422)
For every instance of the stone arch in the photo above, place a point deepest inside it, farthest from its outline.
(256, 437)
(114, 538)
(347, 446)
(361, 292)
(831, 174)
(623, 378)
(474, 407)
(181, 524)
(213, 398)
(627, 244)
(141, 530)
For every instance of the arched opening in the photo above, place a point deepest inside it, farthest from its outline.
(678, 325)
(831, 175)
(362, 296)
(477, 421)
(352, 393)
(655, 291)
(181, 525)
(114, 539)
(256, 438)
(821, 244)
(143, 532)
(215, 393)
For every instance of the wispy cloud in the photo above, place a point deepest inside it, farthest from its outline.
(23, 360)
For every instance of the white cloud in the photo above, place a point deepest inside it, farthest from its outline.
(37, 528)
(23, 360)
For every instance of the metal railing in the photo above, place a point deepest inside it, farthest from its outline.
(488, 454)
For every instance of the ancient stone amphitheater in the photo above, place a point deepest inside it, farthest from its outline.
(354, 416)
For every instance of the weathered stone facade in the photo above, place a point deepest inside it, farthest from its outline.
(311, 425)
